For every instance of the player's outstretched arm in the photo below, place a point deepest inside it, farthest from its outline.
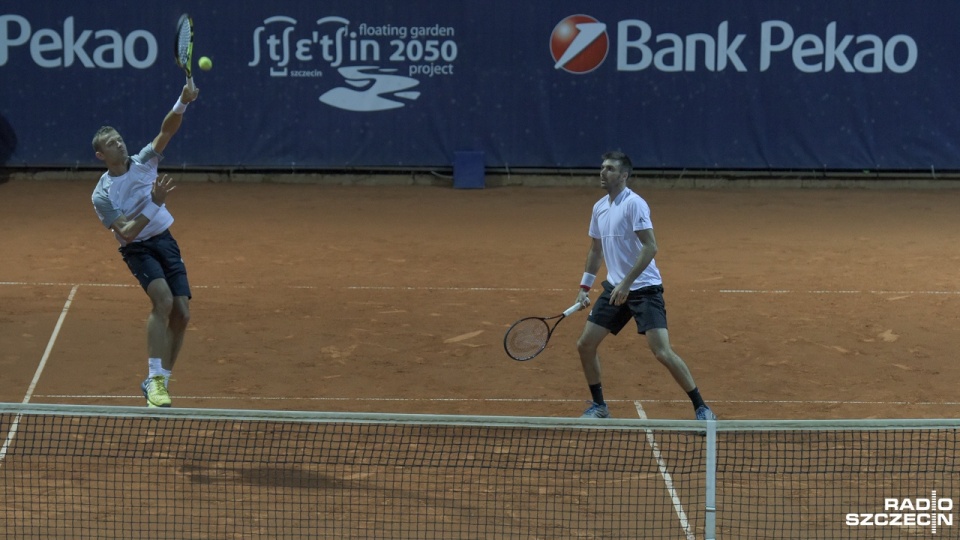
(171, 122)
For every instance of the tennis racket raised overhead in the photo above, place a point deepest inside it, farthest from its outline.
(528, 337)
(184, 46)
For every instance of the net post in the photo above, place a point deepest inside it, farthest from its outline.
(710, 514)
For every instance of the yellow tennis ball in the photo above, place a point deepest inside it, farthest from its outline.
(205, 63)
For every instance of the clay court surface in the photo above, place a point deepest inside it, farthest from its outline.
(786, 303)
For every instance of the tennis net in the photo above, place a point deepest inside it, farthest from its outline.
(125, 472)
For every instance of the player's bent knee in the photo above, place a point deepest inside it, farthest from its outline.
(179, 319)
(667, 356)
(162, 305)
(586, 346)
(160, 295)
(180, 309)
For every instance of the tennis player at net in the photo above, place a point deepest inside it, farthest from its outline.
(130, 200)
(621, 235)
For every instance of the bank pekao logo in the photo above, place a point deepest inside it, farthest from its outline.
(928, 513)
(579, 44)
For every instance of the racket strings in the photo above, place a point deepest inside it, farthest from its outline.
(184, 41)
(183, 45)
(527, 338)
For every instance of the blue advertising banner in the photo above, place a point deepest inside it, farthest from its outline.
(746, 84)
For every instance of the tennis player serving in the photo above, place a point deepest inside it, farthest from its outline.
(621, 236)
(130, 200)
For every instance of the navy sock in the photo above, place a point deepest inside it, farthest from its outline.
(696, 399)
(596, 391)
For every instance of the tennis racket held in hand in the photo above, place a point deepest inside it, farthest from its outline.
(184, 47)
(528, 337)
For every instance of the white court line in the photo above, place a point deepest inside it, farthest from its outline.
(472, 289)
(348, 287)
(789, 291)
(62, 284)
(126, 285)
(509, 400)
(667, 479)
(493, 289)
(36, 376)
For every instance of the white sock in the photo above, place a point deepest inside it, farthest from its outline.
(156, 370)
(155, 367)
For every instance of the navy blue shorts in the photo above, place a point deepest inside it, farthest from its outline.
(157, 258)
(644, 305)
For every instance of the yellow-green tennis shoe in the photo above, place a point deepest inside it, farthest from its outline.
(155, 391)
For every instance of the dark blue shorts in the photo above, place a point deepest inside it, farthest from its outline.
(157, 258)
(644, 305)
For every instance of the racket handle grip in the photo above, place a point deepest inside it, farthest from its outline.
(190, 84)
(573, 309)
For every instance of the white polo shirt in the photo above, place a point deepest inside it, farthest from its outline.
(615, 225)
(129, 193)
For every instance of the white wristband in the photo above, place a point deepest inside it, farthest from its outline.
(179, 107)
(587, 281)
(150, 211)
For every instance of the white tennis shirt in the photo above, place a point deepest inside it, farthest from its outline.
(615, 225)
(129, 193)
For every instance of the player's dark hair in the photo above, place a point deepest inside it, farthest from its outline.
(625, 164)
(99, 135)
